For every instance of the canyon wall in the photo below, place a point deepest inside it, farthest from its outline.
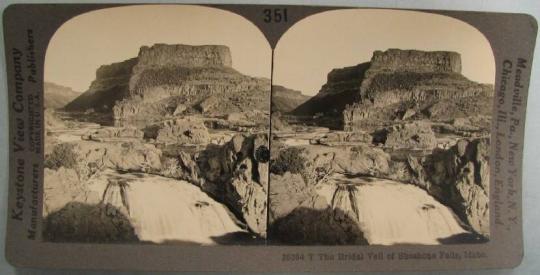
(161, 77)
(395, 81)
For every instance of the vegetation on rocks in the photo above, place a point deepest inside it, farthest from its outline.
(63, 155)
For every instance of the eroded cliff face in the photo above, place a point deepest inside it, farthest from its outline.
(417, 61)
(459, 177)
(394, 82)
(342, 88)
(161, 77)
(110, 85)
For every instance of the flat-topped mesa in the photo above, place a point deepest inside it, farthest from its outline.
(397, 60)
(179, 56)
(162, 77)
(394, 81)
(185, 56)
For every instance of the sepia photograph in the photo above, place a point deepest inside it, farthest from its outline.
(156, 128)
(381, 125)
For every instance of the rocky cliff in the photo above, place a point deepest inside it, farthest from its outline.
(56, 96)
(110, 85)
(395, 82)
(458, 177)
(285, 100)
(234, 174)
(161, 77)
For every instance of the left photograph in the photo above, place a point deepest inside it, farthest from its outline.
(156, 128)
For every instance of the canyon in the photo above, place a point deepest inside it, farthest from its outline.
(175, 146)
(403, 135)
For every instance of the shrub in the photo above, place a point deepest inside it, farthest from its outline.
(63, 155)
(289, 160)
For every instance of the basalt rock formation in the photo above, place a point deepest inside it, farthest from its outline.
(162, 77)
(110, 85)
(459, 177)
(399, 84)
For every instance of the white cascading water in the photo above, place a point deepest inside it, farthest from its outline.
(390, 212)
(167, 210)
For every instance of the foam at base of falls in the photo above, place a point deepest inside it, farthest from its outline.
(166, 210)
(390, 213)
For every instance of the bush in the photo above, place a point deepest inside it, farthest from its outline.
(289, 160)
(63, 155)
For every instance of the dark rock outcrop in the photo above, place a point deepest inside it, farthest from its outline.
(235, 174)
(179, 131)
(399, 84)
(342, 88)
(459, 177)
(110, 85)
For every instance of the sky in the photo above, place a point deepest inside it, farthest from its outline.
(110, 35)
(303, 57)
(317, 44)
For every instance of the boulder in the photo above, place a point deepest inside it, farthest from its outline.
(409, 135)
(408, 114)
(338, 137)
(208, 104)
(180, 109)
(132, 156)
(114, 132)
(180, 131)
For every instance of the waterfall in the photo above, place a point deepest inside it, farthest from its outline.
(390, 212)
(163, 210)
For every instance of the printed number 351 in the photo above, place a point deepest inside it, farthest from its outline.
(275, 15)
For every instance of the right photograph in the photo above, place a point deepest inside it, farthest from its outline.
(380, 130)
